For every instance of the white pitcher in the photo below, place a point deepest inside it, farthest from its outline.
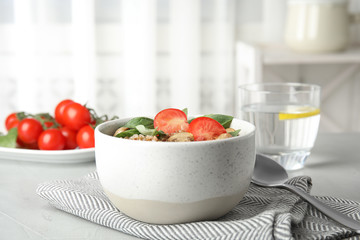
(317, 26)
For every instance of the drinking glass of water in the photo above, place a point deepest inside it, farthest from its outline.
(286, 116)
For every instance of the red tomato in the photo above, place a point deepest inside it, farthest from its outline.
(19, 143)
(76, 116)
(11, 121)
(85, 137)
(70, 136)
(59, 110)
(205, 128)
(13, 124)
(51, 139)
(29, 130)
(171, 120)
(33, 146)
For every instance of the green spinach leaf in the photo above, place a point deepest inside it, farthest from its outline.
(185, 110)
(147, 122)
(235, 133)
(128, 133)
(146, 131)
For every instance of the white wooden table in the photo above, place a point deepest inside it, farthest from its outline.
(334, 166)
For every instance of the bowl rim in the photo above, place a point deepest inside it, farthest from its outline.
(192, 143)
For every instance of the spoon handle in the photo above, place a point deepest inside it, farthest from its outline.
(328, 211)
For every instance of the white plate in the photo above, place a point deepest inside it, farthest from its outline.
(60, 156)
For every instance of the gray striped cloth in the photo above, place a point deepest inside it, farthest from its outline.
(264, 213)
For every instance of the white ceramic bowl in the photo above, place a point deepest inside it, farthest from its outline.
(174, 182)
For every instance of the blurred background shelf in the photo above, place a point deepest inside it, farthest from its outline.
(337, 74)
(282, 55)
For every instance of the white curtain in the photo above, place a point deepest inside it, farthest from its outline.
(123, 57)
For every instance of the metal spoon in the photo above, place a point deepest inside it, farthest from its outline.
(268, 173)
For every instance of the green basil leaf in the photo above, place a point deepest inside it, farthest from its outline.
(9, 140)
(147, 122)
(235, 133)
(127, 133)
(224, 120)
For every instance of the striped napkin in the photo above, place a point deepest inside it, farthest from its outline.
(264, 213)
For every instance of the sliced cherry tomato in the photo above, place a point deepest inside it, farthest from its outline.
(51, 139)
(59, 110)
(171, 120)
(29, 130)
(11, 121)
(205, 128)
(85, 137)
(70, 136)
(76, 116)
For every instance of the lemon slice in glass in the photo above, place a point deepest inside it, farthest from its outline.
(295, 112)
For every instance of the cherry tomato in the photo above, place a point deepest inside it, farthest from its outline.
(51, 139)
(85, 137)
(171, 120)
(29, 130)
(76, 116)
(33, 146)
(205, 128)
(59, 110)
(70, 137)
(13, 124)
(11, 121)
